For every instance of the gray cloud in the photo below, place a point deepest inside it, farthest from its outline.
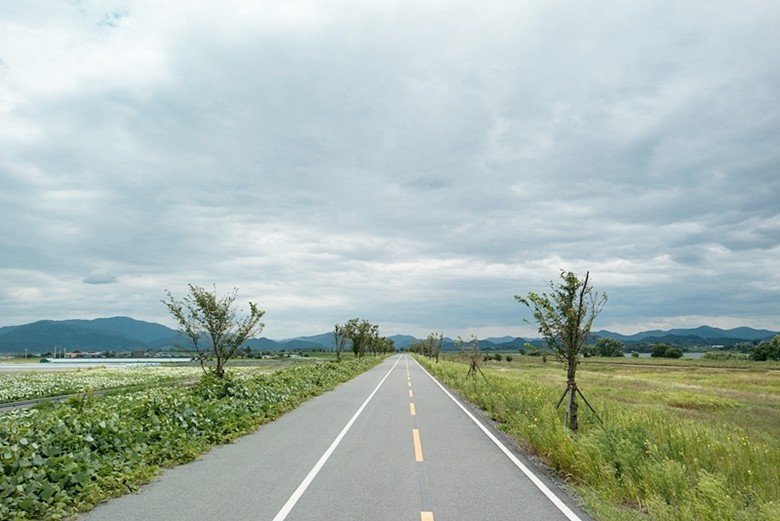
(415, 164)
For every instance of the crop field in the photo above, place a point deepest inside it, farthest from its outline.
(24, 386)
(29, 385)
(60, 458)
(680, 440)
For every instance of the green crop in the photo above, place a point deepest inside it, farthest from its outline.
(60, 458)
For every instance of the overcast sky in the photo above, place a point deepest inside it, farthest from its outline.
(412, 163)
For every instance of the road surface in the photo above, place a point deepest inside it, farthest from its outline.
(391, 444)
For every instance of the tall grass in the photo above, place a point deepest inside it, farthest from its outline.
(642, 462)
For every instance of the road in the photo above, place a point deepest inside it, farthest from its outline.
(391, 444)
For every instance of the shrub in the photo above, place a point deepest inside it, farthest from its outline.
(769, 350)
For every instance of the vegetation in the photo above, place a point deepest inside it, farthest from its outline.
(204, 315)
(665, 351)
(24, 386)
(678, 442)
(565, 317)
(608, 347)
(61, 458)
(363, 337)
(769, 350)
(430, 347)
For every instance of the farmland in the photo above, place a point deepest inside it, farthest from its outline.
(24, 386)
(680, 440)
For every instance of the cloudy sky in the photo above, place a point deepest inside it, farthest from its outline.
(412, 163)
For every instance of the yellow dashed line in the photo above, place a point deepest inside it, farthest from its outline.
(411, 394)
(412, 409)
(426, 516)
(417, 445)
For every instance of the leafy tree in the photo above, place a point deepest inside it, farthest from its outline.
(665, 351)
(363, 337)
(340, 340)
(768, 350)
(659, 350)
(435, 340)
(609, 347)
(564, 318)
(674, 352)
(203, 316)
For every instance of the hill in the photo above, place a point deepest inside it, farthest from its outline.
(125, 333)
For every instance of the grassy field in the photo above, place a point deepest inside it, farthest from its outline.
(680, 439)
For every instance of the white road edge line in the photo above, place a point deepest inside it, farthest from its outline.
(519, 464)
(285, 511)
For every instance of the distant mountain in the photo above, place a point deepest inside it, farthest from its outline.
(125, 333)
(324, 340)
(144, 332)
(402, 341)
(702, 335)
(500, 340)
(292, 345)
(45, 335)
(265, 344)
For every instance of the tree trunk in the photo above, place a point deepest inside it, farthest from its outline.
(574, 423)
(571, 371)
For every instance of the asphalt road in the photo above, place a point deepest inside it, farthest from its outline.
(389, 445)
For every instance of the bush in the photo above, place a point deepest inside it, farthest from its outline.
(509, 358)
(769, 350)
(666, 351)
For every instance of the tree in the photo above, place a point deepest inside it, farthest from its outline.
(203, 316)
(340, 340)
(473, 355)
(363, 337)
(768, 350)
(564, 318)
(611, 347)
(435, 341)
(665, 351)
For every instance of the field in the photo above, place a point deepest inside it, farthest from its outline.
(680, 440)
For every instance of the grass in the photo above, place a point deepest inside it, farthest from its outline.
(679, 441)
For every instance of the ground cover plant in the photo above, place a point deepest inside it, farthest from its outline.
(24, 386)
(677, 443)
(64, 457)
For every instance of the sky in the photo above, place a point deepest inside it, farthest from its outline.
(416, 164)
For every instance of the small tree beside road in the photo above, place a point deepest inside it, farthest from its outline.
(564, 318)
(206, 318)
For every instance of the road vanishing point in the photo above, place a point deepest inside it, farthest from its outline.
(391, 444)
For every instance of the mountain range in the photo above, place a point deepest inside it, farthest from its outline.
(125, 334)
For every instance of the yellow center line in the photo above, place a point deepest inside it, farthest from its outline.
(426, 516)
(412, 409)
(411, 394)
(417, 445)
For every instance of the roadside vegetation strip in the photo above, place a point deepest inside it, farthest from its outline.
(61, 458)
(644, 462)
